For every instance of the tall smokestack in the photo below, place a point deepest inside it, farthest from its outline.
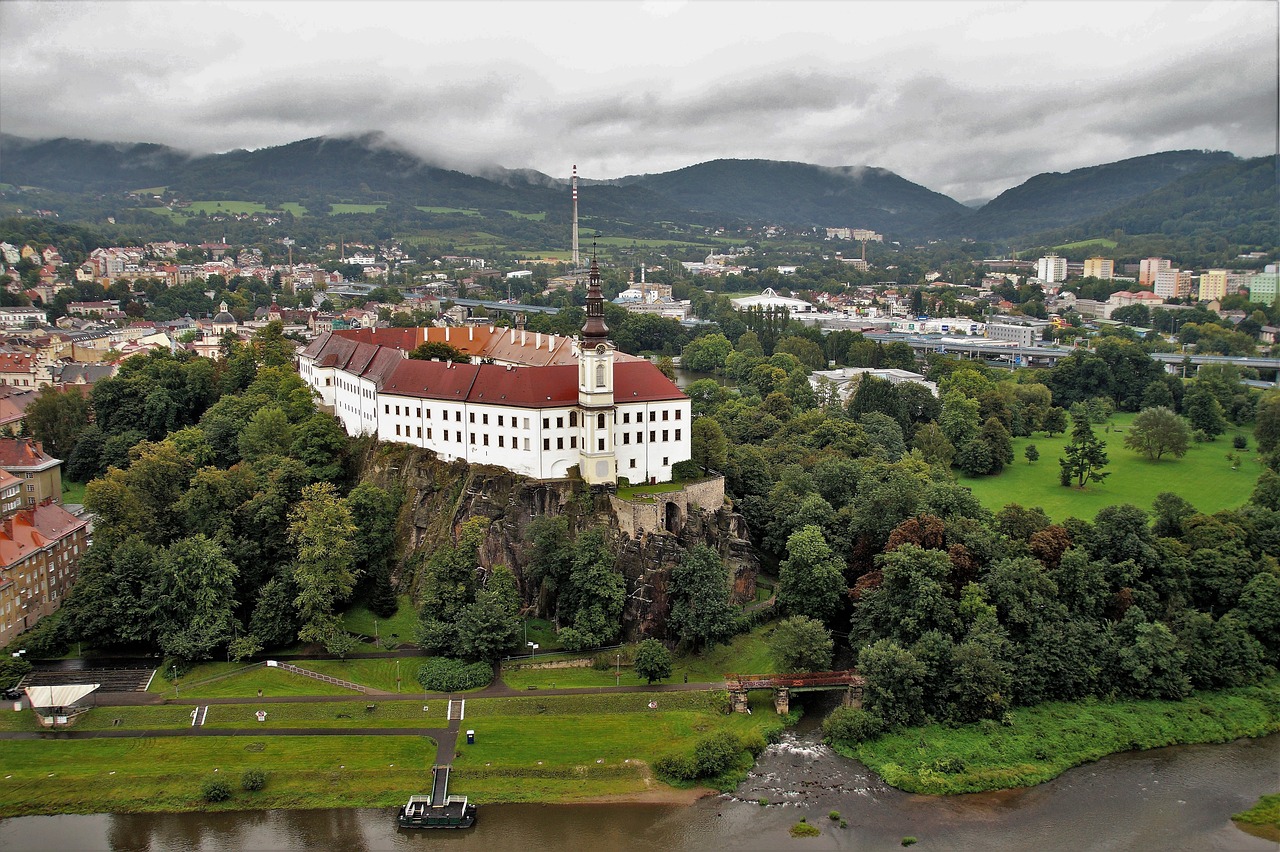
(575, 216)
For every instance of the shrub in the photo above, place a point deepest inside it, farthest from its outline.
(715, 753)
(678, 766)
(803, 829)
(253, 780)
(444, 675)
(834, 816)
(1240, 442)
(849, 726)
(909, 841)
(216, 790)
(948, 765)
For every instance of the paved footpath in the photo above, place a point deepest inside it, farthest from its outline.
(446, 738)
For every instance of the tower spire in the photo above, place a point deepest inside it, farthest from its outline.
(594, 331)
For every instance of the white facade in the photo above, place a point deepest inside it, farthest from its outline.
(1051, 268)
(608, 414)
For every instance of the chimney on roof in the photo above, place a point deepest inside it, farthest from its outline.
(8, 526)
(537, 340)
(471, 332)
(446, 334)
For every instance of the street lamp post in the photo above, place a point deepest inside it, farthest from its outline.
(617, 671)
(397, 674)
(175, 681)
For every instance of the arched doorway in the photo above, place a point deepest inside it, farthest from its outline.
(672, 517)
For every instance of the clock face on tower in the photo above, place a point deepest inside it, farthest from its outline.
(600, 349)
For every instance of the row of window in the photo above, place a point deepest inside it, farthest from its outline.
(601, 419)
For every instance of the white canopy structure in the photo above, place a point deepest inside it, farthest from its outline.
(58, 696)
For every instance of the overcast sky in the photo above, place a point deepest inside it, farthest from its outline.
(966, 98)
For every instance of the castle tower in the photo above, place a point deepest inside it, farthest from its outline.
(599, 465)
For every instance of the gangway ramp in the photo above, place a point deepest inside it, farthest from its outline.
(440, 785)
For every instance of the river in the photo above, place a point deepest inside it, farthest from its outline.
(1178, 798)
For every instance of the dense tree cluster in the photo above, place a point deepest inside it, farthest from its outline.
(221, 521)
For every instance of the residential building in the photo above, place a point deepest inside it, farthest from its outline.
(41, 473)
(538, 405)
(1264, 288)
(1102, 268)
(10, 493)
(1213, 285)
(1051, 268)
(1148, 269)
(40, 548)
(1173, 283)
(22, 317)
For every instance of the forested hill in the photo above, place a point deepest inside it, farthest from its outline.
(798, 193)
(319, 170)
(1176, 192)
(78, 165)
(1237, 201)
(1054, 200)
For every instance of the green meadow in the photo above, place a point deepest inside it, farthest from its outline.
(1204, 476)
(544, 749)
(1098, 242)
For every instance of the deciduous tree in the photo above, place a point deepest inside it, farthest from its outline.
(1156, 431)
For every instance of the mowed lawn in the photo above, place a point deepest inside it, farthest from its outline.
(134, 775)
(747, 653)
(1203, 477)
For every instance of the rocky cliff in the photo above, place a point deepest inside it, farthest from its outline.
(440, 497)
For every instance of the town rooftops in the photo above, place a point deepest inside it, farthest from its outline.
(495, 384)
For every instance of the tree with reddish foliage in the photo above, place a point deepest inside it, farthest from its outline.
(926, 531)
(1049, 544)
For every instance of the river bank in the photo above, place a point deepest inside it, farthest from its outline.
(1035, 744)
(555, 748)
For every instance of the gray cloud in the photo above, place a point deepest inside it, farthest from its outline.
(968, 118)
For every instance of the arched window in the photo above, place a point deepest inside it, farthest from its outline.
(600, 421)
(599, 375)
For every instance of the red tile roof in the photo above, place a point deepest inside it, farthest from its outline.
(22, 452)
(28, 530)
(523, 387)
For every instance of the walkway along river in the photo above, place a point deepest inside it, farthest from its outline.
(1178, 798)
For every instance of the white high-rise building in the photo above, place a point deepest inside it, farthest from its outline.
(1051, 268)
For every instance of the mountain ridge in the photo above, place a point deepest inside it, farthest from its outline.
(371, 167)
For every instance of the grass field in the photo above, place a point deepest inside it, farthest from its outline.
(745, 654)
(134, 775)
(533, 217)
(1099, 242)
(338, 209)
(397, 629)
(1044, 741)
(72, 492)
(379, 674)
(464, 211)
(236, 680)
(544, 749)
(1203, 476)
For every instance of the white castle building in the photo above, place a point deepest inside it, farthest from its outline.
(535, 404)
